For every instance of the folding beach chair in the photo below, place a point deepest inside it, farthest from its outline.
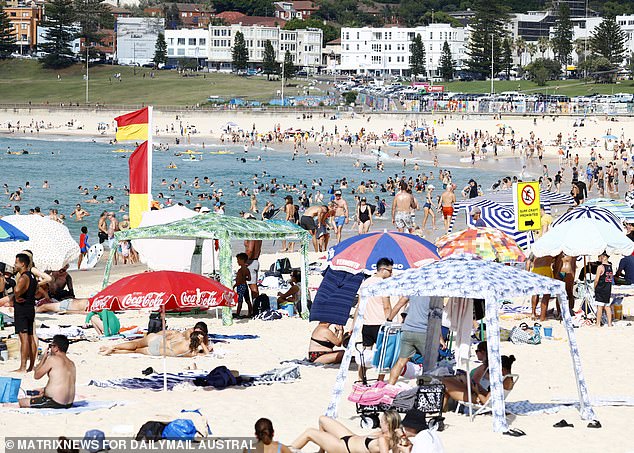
(486, 408)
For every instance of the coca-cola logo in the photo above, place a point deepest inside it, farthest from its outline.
(101, 303)
(139, 301)
(205, 299)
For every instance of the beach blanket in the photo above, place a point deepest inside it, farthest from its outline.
(527, 408)
(335, 297)
(217, 336)
(155, 381)
(47, 333)
(78, 408)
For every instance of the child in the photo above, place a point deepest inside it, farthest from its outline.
(83, 245)
(242, 277)
(603, 288)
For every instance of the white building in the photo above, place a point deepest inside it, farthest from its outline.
(305, 45)
(381, 51)
(188, 43)
(136, 39)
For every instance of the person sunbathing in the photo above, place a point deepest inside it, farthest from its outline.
(65, 306)
(456, 387)
(173, 344)
(334, 437)
(323, 342)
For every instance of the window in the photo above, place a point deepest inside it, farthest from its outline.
(25, 14)
(181, 41)
(192, 41)
(14, 14)
(24, 26)
(184, 14)
(202, 41)
(180, 52)
(170, 51)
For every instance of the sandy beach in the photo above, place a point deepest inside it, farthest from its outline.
(545, 370)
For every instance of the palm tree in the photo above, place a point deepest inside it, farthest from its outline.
(543, 43)
(531, 48)
(520, 47)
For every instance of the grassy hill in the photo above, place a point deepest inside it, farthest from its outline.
(25, 80)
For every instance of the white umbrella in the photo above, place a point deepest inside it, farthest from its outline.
(51, 243)
(583, 236)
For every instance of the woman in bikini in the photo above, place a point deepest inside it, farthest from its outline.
(264, 433)
(334, 437)
(323, 342)
(427, 209)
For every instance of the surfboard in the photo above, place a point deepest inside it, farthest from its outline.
(398, 144)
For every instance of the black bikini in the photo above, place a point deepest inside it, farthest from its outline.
(367, 441)
(324, 343)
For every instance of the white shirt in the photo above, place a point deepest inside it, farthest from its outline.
(427, 441)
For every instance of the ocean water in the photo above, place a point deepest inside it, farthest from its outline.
(70, 164)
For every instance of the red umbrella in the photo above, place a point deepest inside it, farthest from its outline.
(167, 290)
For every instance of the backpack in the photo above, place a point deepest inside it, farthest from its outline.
(151, 430)
(219, 378)
(281, 265)
(154, 324)
(181, 428)
(261, 304)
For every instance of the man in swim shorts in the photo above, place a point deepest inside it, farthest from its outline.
(341, 214)
(309, 219)
(402, 208)
(447, 200)
(59, 392)
(542, 265)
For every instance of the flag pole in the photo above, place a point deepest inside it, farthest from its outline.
(149, 155)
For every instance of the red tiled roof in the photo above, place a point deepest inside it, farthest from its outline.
(302, 5)
(261, 20)
(231, 16)
(334, 42)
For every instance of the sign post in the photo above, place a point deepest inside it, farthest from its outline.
(526, 203)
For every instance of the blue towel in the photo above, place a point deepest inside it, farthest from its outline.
(335, 297)
(78, 408)
(217, 336)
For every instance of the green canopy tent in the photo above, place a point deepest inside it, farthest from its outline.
(225, 229)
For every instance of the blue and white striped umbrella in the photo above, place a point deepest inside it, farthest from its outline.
(590, 212)
(617, 207)
(503, 219)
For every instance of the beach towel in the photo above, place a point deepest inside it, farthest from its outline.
(335, 297)
(155, 381)
(217, 336)
(71, 332)
(78, 408)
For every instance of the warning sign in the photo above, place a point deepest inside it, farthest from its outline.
(526, 203)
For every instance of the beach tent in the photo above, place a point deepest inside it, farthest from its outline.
(224, 228)
(173, 254)
(470, 278)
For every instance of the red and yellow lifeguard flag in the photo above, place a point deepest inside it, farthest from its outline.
(139, 184)
(133, 126)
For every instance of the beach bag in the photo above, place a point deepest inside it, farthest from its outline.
(219, 378)
(151, 430)
(261, 304)
(9, 388)
(269, 315)
(282, 265)
(181, 428)
(388, 347)
(523, 334)
(154, 324)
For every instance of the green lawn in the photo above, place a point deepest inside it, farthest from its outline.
(24, 80)
(563, 87)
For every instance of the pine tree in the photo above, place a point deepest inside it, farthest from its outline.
(487, 29)
(92, 16)
(160, 50)
(507, 56)
(7, 35)
(446, 63)
(289, 67)
(417, 57)
(608, 41)
(60, 33)
(240, 53)
(562, 38)
(269, 63)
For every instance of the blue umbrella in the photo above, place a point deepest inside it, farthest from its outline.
(610, 137)
(9, 233)
(408, 133)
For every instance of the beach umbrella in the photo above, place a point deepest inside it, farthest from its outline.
(468, 277)
(610, 137)
(583, 236)
(360, 253)
(487, 243)
(51, 243)
(594, 213)
(164, 291)
(617, 207)
(9, 233)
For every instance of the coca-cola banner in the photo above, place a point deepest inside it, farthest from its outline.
(177, 291)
